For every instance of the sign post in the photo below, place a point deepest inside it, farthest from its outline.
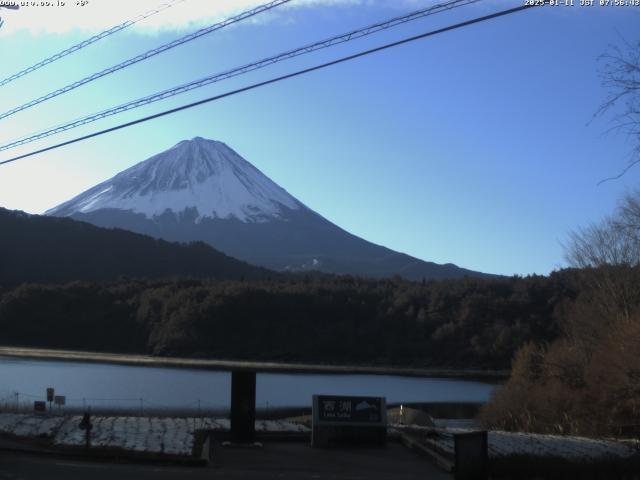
(50, 394)
(347, 419)
(39, 407)
(60, 401)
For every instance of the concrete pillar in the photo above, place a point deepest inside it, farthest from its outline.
(471, 455)
(243, 406)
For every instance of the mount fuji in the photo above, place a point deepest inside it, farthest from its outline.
(203, 190)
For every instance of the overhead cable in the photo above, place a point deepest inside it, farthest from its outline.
(326, 43)
(89, 41)
(273, 80)
(146, 55)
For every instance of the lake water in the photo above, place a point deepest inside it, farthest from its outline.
(151, 388)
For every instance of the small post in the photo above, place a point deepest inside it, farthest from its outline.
(86, 425)
(243, 406)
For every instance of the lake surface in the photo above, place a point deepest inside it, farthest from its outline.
(155, 388)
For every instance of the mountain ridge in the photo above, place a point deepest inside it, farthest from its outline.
(203, 190)
(200, 173)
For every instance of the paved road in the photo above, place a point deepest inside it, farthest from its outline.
(282, 461)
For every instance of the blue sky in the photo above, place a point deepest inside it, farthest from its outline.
(474, 147)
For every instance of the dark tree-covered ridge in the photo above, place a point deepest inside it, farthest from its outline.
(465, 323)
(50, 250)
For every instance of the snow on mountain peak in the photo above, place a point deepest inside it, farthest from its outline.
(197, 173)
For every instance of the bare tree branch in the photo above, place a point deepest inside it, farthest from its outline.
(620, 76)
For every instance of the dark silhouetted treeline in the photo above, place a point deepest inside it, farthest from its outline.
(56, 250)
(465, 323)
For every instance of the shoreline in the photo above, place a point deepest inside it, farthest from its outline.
(242, 365)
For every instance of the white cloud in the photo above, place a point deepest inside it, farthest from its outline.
(98, 15)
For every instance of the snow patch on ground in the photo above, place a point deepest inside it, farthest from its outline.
(280, 426)
(506, 444)
(171, 436)
(573, 448)
(23, 425)
(176, 436)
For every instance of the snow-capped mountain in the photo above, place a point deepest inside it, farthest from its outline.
(198, 174)
(203, 190)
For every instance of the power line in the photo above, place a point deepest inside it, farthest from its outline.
(275, 80)
(89, 41)
(147, 55)
(326, 43)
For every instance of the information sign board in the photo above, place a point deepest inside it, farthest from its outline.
(348, 419)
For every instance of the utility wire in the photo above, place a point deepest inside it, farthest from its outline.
(89, 41)
(274, 80)
(326, 43)
(147, 55)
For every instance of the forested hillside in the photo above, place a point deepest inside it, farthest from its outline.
(462, 323)
(50, 250)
